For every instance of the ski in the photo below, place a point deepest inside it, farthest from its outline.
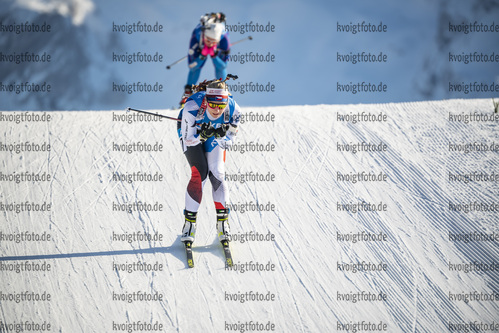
(188, 253)
(227, 253)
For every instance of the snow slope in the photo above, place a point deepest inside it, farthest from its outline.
(308, 268)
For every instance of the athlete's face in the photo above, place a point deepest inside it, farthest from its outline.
(210, 42)
(216, 110)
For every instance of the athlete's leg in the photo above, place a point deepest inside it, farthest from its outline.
(216, 173)
(199, 171)
(220, 68)
(195, 71)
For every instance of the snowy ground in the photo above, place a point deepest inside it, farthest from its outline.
(416, 275)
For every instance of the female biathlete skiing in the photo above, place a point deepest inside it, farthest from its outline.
(209, 124)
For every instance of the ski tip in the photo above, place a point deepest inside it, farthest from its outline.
(188, 252)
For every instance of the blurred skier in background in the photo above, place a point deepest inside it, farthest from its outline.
(209, 39)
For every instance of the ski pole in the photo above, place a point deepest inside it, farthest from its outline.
(176, 62)
(185, 57)
(153, 114)
(241, 40)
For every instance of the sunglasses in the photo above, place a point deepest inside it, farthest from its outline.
(217, 106)
(210, 41)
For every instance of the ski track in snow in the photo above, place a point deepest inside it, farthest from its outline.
(306, 192)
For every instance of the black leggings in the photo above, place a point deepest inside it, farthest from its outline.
(199, 171)
(200, 163)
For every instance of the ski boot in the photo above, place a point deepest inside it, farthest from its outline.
(189, 229)
(186, 95)
(223, 228)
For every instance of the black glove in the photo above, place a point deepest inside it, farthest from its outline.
(223, 52)
(221, 131)
(206, 131)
